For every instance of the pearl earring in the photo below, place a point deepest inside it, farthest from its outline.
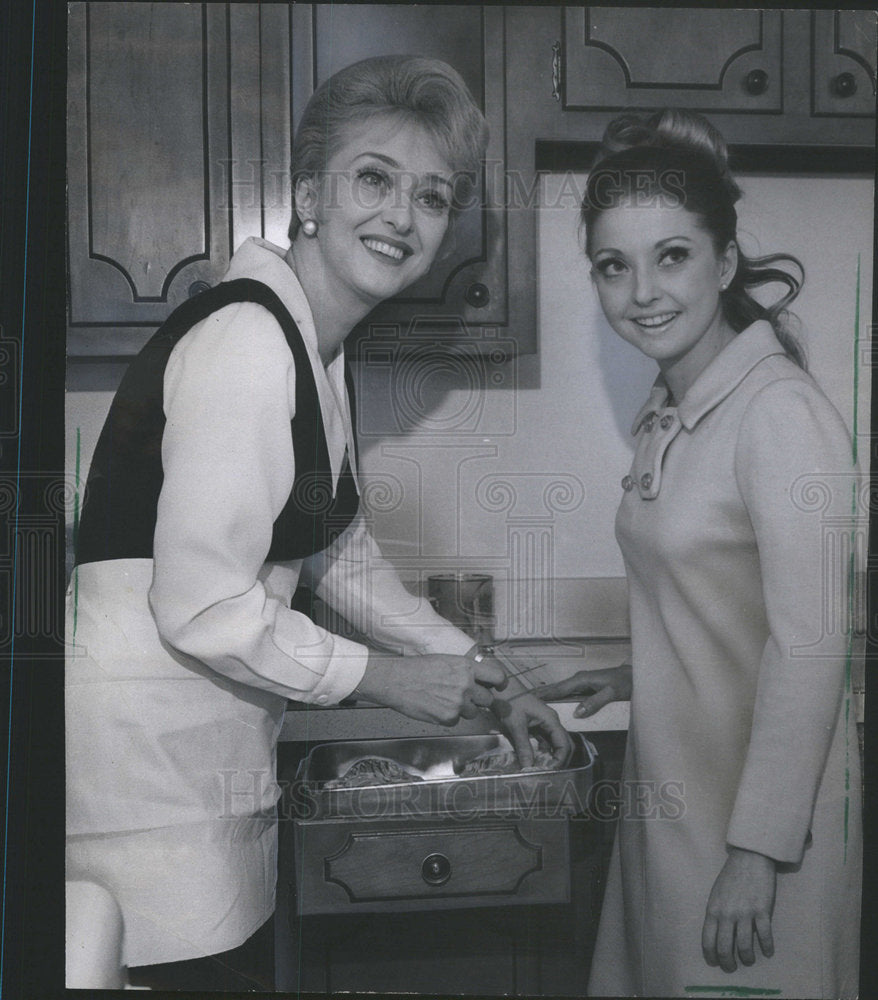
(309, 227)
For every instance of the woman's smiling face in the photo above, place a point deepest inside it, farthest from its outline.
(658, 277)
(382, 206)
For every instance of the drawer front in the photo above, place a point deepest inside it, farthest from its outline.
(379, 866)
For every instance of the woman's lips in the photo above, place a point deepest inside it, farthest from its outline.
(654, 322)
(390, 251)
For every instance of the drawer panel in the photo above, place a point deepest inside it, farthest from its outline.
(354, 866)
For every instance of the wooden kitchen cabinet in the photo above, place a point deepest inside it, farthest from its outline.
(771, 78)
(169, 165)
(718, 60)
(537, 950)
(843, 53)
(181, 116)
(180, 119)
(541, 949)
(143, 172)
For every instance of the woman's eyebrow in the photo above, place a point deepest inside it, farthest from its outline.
(657, 245)
(378, 156)
(440, 178)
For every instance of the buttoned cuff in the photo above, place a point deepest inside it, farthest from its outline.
(345, 670)
(443, 638)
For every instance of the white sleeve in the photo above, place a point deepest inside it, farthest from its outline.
(228, 463)
(354, 578)
(791, 436)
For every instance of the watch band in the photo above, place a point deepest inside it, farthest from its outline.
(477, 652)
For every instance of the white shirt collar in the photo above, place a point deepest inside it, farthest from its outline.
(263, 261)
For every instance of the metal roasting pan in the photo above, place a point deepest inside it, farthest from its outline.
(442, 791)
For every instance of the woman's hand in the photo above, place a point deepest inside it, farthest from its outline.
(434, 688)
(609, 685)
(519, 711)
(742, 899)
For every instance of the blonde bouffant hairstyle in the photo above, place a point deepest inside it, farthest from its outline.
(406, 88)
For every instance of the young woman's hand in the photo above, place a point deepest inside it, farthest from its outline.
(519, 711)
(602, 686)
(742, 899)
(436, 688)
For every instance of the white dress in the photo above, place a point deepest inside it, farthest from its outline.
(180, 666)
(742, 727)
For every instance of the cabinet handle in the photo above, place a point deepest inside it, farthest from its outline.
(477, 295)
(197, 287)
(756, 82)
(436, 869)
(844, 85)
(556, 71)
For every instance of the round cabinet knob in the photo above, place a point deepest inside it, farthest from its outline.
(436, 869)
(844, 85)
(477, 295)
(756, 82)
(197, 287)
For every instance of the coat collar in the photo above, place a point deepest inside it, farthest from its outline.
(719, 379)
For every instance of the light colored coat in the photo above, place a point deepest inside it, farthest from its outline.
(179, 668)
(733, 530)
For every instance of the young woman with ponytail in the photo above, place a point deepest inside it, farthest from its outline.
(736, 688)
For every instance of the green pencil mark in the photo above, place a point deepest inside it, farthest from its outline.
(846, 817)
(734, 991)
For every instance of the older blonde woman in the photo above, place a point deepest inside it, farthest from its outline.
(225, 476)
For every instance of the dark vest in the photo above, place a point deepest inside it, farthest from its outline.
(121, 497)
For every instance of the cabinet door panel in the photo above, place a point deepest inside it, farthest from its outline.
(844, 43)
(613, 58)
(257, 190)
(146, 134)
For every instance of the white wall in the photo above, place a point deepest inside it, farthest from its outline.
(576, 424)
(525, 483)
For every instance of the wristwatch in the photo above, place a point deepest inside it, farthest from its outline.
(477, 652)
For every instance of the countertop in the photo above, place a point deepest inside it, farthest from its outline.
(556, 659)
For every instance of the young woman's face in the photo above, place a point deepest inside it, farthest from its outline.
(382, 207)
(658, 277)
